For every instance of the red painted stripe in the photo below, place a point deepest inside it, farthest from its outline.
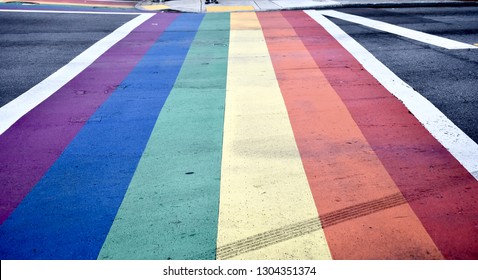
(440, 191)
(363, 213)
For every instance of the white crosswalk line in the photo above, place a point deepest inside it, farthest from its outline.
(460, 145)
(18, 107)
(401, 31)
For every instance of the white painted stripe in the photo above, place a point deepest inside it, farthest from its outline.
(15, 109)
(72, 12)
(401, 31)
(460, 145)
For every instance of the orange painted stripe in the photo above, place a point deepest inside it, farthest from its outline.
(363, 213)
(440, 191)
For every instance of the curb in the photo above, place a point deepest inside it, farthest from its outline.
(375, 5)
(140, 4)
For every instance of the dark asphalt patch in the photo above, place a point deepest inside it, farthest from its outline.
(35, 45)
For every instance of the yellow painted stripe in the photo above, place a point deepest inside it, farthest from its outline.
(221, 9)
(156, 7)
(266, 207)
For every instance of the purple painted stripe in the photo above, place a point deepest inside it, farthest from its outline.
(33, 143)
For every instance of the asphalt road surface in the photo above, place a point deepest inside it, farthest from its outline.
(34, 45)
(239, 135)
(448, 78)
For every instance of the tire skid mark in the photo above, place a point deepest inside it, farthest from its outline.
(291, 231)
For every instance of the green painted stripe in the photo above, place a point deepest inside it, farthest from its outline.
(170, 210)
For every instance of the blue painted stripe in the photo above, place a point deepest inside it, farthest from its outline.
(171, 208)
(70, 211)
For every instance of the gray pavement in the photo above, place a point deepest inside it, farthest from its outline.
(35, 45)
(199, 6)
(445, 77)
(73, 208)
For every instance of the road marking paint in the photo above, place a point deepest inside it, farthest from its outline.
(441, 192)
(90, 178)
(156, 7)
(264, 188)
(15, 109)
(460, 145)
(170, 210)
(344, 173)
(37, 139)
(398, 30)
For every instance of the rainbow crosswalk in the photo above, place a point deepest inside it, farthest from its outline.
(230, 136)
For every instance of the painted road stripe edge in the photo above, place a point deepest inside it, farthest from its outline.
(460, 145)
(336, 172)
(175, 174)
(17, 108)
(271, 194)
(398, 30)
(86, 201)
